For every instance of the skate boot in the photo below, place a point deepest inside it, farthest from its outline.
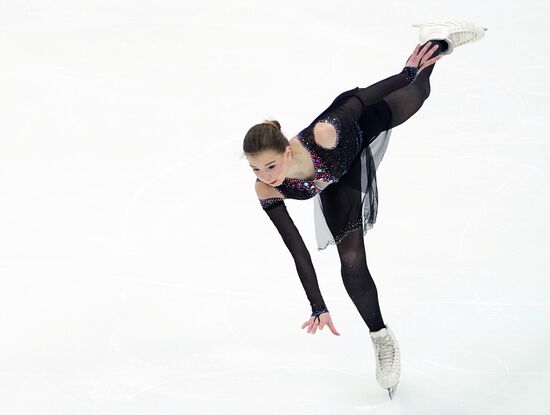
(455, 33)
(388, 359)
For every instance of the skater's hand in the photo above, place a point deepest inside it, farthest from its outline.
(421, 57)
(323, 320)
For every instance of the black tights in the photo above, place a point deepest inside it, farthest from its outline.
(403, 103)
(357, 279)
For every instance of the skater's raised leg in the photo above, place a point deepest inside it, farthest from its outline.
(405, 102)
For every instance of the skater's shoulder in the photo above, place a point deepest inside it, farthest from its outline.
(265, 191)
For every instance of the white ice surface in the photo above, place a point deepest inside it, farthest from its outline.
(138, 273)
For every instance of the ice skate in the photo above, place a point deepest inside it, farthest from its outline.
(455, 33)
(388, 359)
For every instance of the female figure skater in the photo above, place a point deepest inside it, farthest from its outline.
(334, 160)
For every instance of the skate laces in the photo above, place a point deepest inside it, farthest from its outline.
(461, 33)
(386, 350)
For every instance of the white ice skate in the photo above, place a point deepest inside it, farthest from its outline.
(388, 359)
(455, 33)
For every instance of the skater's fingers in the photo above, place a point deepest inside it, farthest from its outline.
(308, 323)
(429, 53)
(434, 60)
(332, 328)
(430, 62)
(310, 326)
(432, 49)
(415, 51)
(425, 48)
(314, 327)
(423, 60)
(411, 61)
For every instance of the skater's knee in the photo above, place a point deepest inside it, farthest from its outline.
(376, 118)
(353, 263)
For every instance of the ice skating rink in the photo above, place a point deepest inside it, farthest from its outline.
(139, 274)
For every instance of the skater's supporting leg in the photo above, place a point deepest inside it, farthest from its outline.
(358, 280)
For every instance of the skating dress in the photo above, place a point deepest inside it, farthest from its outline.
(350, 200)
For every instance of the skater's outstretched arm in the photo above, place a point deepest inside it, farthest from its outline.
(302, 259)
(277, 212)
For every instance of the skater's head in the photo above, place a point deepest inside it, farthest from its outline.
(267, 151)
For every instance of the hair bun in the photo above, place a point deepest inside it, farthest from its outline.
(273, 123)
(266, 135)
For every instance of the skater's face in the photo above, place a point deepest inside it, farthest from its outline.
(270, 166)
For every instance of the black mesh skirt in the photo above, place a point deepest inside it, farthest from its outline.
(352, 203)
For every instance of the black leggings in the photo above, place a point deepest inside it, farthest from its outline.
(393, 110)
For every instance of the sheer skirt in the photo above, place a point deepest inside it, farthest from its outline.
(352, 202)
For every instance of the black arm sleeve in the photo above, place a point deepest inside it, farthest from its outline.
(277, 212)
(351, 109)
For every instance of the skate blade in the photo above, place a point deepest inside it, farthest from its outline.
(391, 391)
(420, 25)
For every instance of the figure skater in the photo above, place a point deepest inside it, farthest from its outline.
(334, 160)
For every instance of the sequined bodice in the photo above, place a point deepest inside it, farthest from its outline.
(330, 164)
